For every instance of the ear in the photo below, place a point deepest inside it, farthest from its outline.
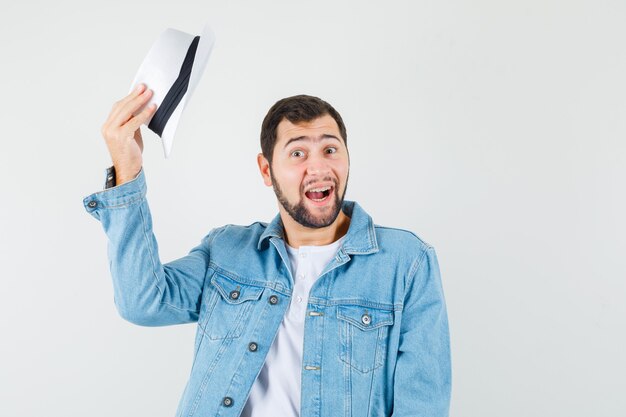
(264, 167)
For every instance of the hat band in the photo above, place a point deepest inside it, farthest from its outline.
(176, 92)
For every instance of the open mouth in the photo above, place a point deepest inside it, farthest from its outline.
(319, 194)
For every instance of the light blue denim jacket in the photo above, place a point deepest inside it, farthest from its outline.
(376, 337)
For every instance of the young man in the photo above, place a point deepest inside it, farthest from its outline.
(318, 313)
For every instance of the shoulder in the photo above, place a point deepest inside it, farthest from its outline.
(401, 240)
(405, 236)
(236, 231)
(408, 249)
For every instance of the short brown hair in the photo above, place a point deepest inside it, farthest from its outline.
(300, 108)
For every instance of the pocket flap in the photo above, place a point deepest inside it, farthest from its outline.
(234, 292)
(365, 318)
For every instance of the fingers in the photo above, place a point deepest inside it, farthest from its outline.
(121, 131)
(122, 113)
(119, 105)
(134, 123)
(128, 107)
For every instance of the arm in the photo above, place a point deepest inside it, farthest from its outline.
(146, 292)
(422, 379)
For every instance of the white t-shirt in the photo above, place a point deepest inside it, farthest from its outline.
(278, 384)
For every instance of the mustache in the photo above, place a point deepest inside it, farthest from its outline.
(313, 181)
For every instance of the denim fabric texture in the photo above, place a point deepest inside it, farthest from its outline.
(376, 337)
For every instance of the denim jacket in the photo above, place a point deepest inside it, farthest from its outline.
(376, 337)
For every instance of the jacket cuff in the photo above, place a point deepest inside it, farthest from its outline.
(120, 196)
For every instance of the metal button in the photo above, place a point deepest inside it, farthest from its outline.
(92, 204)
(227, 401)
(252, 347)
(273, 300)
(234, 294)
(366, 319)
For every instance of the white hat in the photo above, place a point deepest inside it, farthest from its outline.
(172, 69)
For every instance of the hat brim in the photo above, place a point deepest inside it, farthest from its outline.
(160, 69)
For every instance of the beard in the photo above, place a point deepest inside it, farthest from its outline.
(302, 215)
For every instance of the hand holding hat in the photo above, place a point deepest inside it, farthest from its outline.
(122, 134)
(159, 93)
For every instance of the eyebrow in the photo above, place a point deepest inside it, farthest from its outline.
(309, 138)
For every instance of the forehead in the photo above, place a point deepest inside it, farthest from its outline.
(322, 125)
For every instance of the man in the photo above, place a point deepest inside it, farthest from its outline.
(318, 313)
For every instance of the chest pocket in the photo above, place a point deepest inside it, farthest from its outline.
(233, 303)
(364, 336)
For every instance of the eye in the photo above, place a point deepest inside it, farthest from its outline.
(297, 154)
(330, 150)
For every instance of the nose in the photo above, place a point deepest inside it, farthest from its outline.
(317, 166)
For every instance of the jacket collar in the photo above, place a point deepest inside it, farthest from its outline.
(360, 239)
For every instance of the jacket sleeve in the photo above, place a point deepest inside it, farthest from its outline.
(146, 292)
(422, 380)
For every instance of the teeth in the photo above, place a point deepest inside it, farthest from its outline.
(317, 190)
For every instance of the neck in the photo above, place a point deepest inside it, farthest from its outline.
(297, 235)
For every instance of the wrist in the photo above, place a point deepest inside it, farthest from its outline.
(125, 173)
(126, 176)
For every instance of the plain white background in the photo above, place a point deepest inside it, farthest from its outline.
(493, 129)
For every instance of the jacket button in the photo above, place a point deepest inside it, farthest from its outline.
(92, 204)
(273, 300)
(227, 401)
(252, 347)
(234, 294)
(366, 319)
